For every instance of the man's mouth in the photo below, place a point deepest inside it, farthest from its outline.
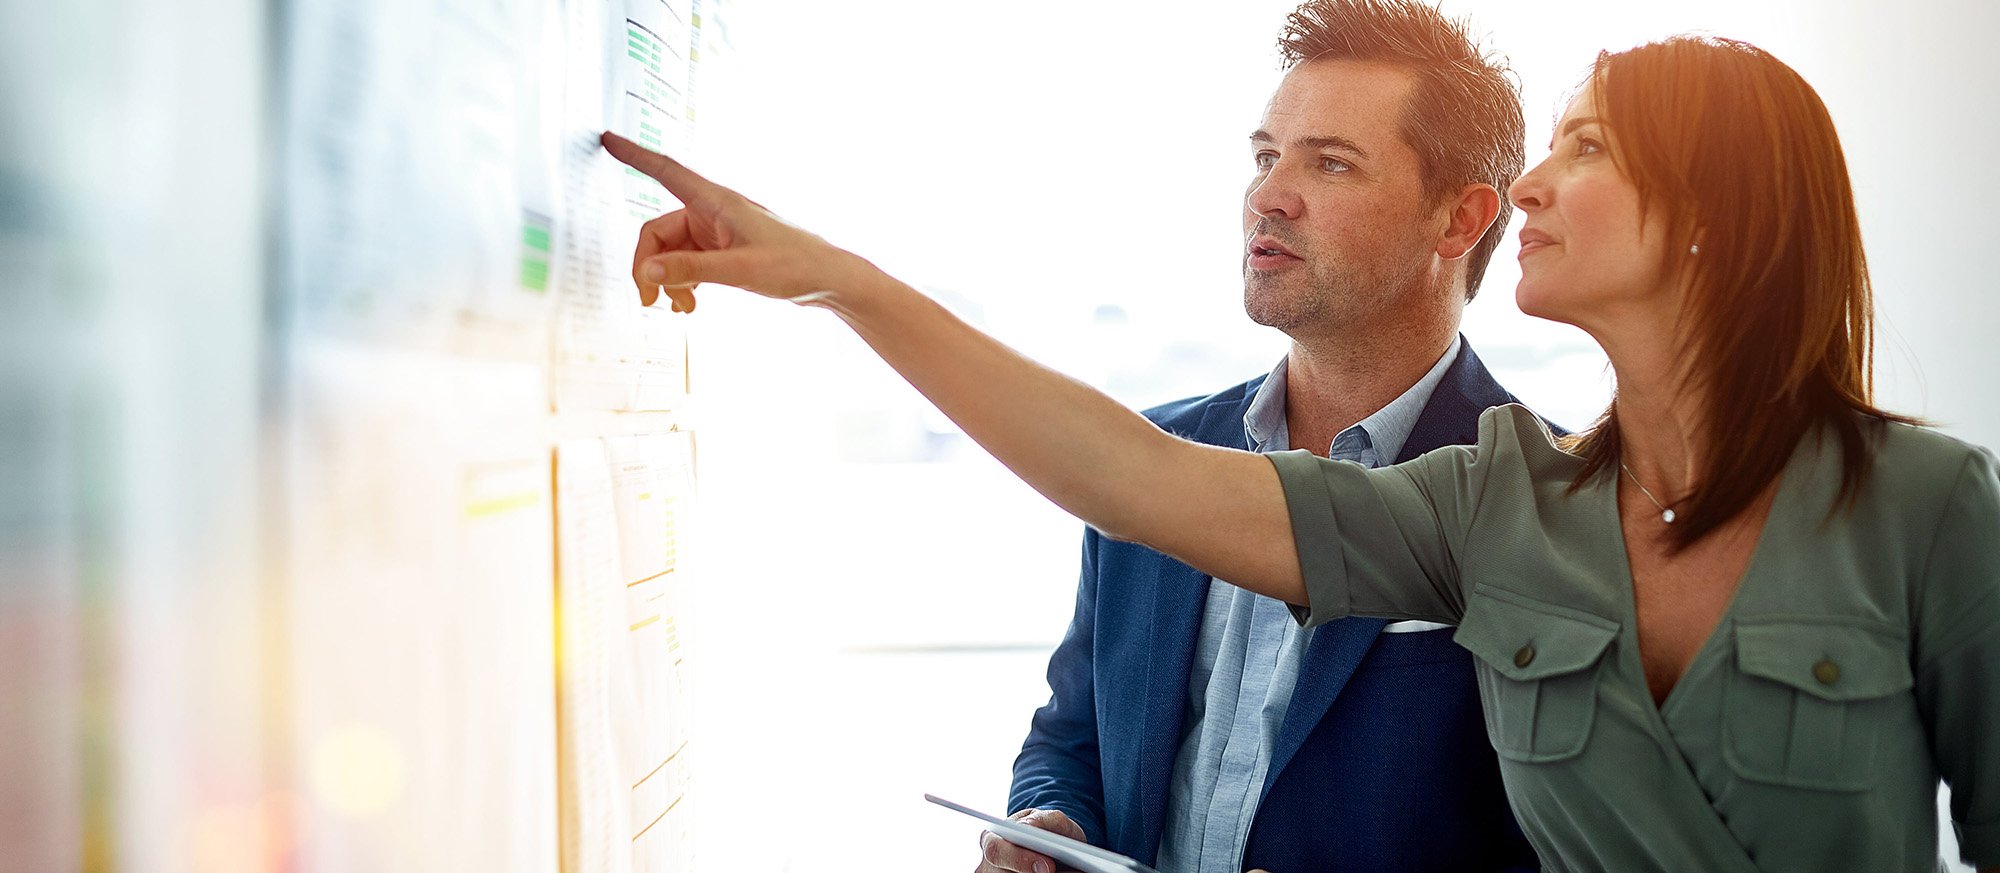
(1267, 247)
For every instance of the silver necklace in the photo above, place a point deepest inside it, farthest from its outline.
(1666, 515)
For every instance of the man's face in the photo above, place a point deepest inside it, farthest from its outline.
(1336, 230)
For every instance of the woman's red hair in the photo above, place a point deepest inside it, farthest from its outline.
(1738, 155)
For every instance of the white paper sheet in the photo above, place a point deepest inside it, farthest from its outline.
(624, 704)
(623, 75)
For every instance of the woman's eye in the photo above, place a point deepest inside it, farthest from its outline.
(1587, 146)
(1334, 165)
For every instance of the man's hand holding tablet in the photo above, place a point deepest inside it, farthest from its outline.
(996, 855)
(1031, 843)
(1041, 841)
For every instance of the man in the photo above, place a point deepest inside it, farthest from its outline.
(1193, 725)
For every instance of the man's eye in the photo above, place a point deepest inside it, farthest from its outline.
(1265, 160)
(1334, 165)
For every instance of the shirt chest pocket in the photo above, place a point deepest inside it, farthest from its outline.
(1810, 699)
(1538, 671)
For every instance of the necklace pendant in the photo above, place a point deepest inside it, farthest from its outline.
(1667, 516)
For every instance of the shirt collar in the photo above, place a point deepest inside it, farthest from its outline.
(1386, 430)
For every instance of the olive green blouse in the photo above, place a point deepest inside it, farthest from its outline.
(1858, 662)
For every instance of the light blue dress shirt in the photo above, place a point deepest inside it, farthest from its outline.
(1248, 654)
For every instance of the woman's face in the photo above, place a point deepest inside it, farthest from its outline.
(1588, 255)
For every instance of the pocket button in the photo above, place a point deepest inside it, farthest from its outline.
(1525, 656)
(1813, 700)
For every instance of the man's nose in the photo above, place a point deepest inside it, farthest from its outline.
(1274, 196)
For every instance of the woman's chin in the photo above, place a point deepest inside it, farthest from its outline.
(1535, 299)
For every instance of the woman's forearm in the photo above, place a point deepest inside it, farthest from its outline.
(1079, 448)
(1220, 510)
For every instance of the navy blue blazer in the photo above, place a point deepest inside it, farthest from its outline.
(1382, 762)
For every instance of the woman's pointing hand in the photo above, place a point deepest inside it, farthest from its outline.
(721, 236)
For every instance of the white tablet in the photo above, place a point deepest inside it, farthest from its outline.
(1069, 853)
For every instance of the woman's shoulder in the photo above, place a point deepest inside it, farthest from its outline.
(1514, 427)
(1924, 459)
(1513, 436)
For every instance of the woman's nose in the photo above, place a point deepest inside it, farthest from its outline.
(1528, 194)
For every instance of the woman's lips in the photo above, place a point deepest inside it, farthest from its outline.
(1533, 241)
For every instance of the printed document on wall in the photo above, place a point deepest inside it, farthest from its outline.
(628, 71)
(623, 702)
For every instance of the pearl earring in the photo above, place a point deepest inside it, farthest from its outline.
(1694, 249)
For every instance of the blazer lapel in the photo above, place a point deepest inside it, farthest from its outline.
(1450, 417)
(1177, 608)
(1180, 595)
(1335, 649)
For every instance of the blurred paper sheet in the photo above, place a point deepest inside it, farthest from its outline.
(420, 614)
(623, 699)
(415, 214)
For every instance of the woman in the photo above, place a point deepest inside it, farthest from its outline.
(1745, 623)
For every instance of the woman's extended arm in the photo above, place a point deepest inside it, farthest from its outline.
(1221, 511)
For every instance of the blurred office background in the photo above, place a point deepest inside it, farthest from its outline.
(876, 597)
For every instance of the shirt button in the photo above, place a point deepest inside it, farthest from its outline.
(1525, 656)
(1827, 672)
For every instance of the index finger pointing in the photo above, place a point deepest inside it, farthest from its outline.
(683, 182)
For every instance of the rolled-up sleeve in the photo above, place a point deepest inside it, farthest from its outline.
(1958, 656)
(1381, 543)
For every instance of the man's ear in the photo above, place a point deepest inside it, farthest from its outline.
(1469, 216)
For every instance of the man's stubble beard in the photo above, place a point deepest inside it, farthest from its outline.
(1291, 300)
(1328, 296)
(1332, 294)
